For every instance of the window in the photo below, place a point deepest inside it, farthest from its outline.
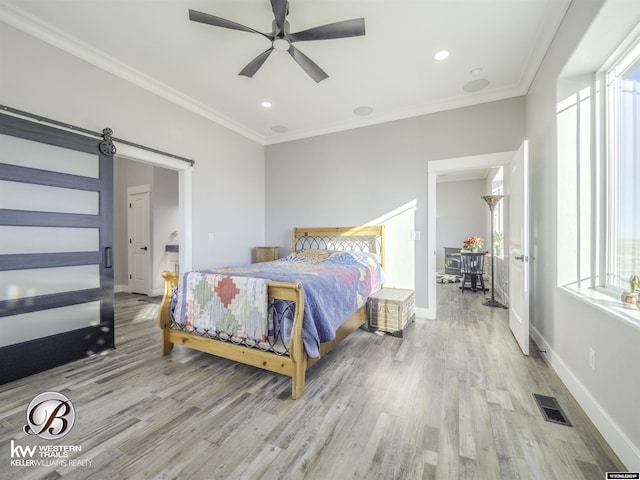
(497, 188)
(577, 177)
(623, 100)
(598, 140)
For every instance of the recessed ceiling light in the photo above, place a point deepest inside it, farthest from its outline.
(266, 104)
(279, 129)
(363, 111)
(475, 85)
(441, 55)
(476, 71)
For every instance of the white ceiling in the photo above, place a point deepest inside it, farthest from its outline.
(391, 69)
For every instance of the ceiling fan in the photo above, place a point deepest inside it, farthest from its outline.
(283, 40)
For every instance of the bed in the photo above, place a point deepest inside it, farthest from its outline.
(309, 302)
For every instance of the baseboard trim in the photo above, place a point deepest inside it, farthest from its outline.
(626, 451)
(500, 293)
(428, 313)
(125, 289)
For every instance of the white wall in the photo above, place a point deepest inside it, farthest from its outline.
(460, 212)
(561, 324)
(367, 174)
(228, 178)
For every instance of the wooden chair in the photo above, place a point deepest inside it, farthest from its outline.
(472, 269)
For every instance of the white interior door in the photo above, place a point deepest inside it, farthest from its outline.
(139, 220)
(518, 234)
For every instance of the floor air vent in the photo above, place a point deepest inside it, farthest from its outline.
(551, 410)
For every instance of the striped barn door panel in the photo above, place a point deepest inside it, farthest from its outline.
(56, 228)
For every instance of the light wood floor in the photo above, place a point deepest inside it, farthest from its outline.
(452, 400)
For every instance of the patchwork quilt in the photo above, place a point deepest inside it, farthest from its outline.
(237, 306)
(335, 284)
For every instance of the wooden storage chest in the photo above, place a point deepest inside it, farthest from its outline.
(391, 309)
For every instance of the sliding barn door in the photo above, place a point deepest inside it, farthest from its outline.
(56, 223)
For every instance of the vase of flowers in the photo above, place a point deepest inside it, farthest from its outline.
(473, 244)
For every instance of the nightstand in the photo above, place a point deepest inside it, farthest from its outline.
(265, 254)
(391, 309)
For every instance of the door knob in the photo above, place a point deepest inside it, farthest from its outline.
(143, 248)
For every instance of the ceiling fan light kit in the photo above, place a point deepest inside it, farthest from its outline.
(281, 44)
(282, 40)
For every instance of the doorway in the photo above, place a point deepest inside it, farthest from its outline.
(147, 218)
(185, 194)
(450, 166)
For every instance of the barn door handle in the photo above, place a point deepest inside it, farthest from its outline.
(107, 258)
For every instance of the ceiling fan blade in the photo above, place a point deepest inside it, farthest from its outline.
(222, 22)
(344, 29)
(254, 65)
(279, 8)
(313, 70)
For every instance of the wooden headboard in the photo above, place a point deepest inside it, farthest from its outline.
(363, 239)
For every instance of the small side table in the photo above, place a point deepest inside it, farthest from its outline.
(391, 309)
(265, 254)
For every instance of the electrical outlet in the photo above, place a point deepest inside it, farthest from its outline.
(592, 359)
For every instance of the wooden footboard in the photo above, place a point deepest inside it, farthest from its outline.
(294, 365)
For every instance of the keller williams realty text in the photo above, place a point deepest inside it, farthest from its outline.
(57, 462)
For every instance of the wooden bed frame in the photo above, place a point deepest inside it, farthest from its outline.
(296, 363)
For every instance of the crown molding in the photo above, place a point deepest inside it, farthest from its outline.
(417, 111)
(57, 38)
(543, 41)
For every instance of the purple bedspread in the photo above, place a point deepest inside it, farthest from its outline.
(335, 284)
